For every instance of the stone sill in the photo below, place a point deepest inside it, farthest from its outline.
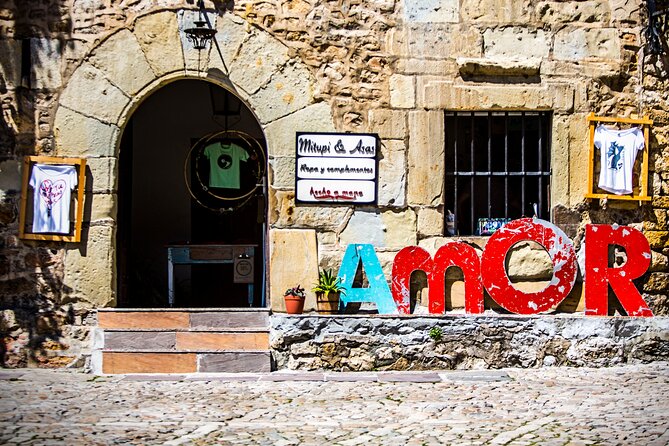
(498, 66)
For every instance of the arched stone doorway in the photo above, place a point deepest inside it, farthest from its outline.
(125, 69)
(180, 234)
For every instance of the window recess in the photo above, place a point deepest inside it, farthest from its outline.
(497, 166)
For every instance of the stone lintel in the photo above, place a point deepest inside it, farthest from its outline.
(442, 94)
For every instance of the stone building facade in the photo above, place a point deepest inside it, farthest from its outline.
(75, 72)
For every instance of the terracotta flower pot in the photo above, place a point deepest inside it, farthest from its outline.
(294, 304)
(329, 304)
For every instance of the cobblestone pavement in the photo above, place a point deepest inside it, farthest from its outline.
(551, 406)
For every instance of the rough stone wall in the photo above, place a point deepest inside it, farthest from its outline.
(384, 66)
(464, 342)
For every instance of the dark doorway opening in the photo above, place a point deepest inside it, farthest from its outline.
(184, 240)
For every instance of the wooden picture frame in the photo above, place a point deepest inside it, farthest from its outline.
(642, 185)
(75, 233)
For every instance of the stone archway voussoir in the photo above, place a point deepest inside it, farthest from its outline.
(122, 60)
(158, 37)
(82, 136)
(91, 94)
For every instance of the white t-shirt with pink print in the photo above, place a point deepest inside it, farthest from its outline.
(53, 185)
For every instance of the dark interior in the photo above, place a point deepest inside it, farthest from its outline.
(161, 158)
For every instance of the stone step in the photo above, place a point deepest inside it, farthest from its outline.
(181, 341)
(182, 319)
(119, 362)
(185, 340)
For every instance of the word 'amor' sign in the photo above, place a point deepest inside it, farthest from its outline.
(489, 271)
(336, 168)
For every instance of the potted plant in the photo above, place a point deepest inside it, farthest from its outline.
(294, 298)
(328, 290)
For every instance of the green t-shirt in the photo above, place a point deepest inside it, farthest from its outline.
(224, 164)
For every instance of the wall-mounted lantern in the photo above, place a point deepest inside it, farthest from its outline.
(202, 33)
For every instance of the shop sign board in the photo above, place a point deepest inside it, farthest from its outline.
(336, 168)
(489, 271)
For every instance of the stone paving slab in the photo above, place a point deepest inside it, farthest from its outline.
(624, 405)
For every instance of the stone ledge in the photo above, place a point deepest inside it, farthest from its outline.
(498, 66)
(370, 343)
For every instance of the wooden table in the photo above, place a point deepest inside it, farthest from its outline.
(188, 254)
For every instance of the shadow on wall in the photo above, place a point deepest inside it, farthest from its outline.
(35, 319)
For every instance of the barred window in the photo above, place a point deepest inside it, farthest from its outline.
(497, 166)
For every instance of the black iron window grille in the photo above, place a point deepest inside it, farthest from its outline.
(497, 167)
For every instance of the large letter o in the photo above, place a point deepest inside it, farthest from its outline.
(493, 266)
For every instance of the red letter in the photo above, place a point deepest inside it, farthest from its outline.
(413, 258)
(598, 274)
(560, 250)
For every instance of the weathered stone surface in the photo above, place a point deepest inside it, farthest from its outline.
(314, 118)
(499, 66)
(528, 261)
(116, 362)
(223, 319)
(89, 273)
(103, 207)
(231, 31)
(383, 230)
(143, 320)
(440, 94)
(426, 158)
(78, 135)
(91, 94)
(625, 11)
(402, 91)
(658, 262)
(103, 174)
(294, 259)
(192, 340)
(285, 213)
(495, 11)
(431, 11)
(282, 171)
(658, 239)
(289, 90)
(256, 362)
(10, 62)
(515, 43)
(569, 12)
(389, 343)
(45, 59)
(573, 43)
(392, 175)
(10, 177)
(430, 222)
(158, 36)
(122, 61)
(259, 58)
(426, 67)
(426, 40)
(579, 154)
(657, 282)
(389, 124)
(118, 340)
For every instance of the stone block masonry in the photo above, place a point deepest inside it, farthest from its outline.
(390, 67)
(358, 343)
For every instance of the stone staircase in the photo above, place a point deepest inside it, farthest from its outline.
(181, 341)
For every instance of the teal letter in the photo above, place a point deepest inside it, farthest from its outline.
(378, 291)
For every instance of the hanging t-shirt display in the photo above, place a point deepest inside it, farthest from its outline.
(618, 150)
(52, 185)
(224, 164)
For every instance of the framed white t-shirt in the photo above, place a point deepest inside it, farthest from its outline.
(618, 151)
(53, 185)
